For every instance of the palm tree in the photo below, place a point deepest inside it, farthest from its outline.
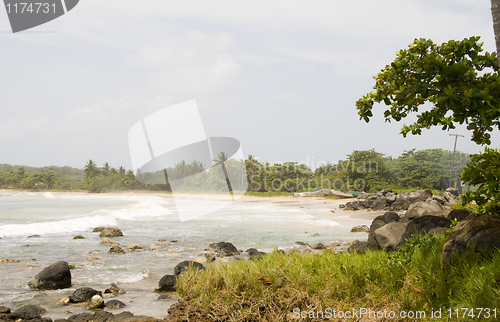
(105, 169)
(222, 159)
(495, 12)
(181, 170)
(90, 169)
(121, 170)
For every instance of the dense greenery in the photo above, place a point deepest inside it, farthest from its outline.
(361, 170)
(463, 86)
(411, 279)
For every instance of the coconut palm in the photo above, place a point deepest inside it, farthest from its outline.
(121, 170)
(222, 158)
(105, 169)
(90, 169)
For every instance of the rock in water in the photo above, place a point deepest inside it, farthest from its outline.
(111, 232)
(224, 249)
(109, 242)
(96, 302)
(166, 284)
(53, 277)
(4, 309)
(78, 237)
(98, 229)
(28, 312)
(116, 250)
(83, 294)
(114, 304)
(360, 229)
(183, 267)
(112, 288)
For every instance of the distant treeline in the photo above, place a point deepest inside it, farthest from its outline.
(366, 170)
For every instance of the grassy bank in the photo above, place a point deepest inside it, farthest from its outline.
(412, 279)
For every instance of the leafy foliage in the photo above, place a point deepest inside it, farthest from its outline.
(446, 76)
(484, 170)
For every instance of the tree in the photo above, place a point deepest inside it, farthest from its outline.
(222, 158)
(445, 76)
(453, 79)
(105, 169)
(90, 169)
(495, 12)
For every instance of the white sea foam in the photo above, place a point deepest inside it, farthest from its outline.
(48, 195)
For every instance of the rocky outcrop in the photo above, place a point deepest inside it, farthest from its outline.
(224, 249)
(111, 232)
(83, 294)
(391, 201)
(183, 267)
(474, 234)
(377, 223)
(53, 277)
(358, 247)
(166, 284)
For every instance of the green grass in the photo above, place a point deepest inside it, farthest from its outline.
(408, 280)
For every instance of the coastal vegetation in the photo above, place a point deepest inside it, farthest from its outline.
(367, 170)
(410, 280)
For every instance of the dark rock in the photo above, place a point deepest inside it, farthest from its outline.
(116, 250)
(28, 312)
(379, 204)
(114, 304)
(474, 234)
(388, 236)
(4, 309)
(53, 277)
(402, 201)
(360, 229)
(164, 297)
(34, 236)
(98, 229)
(421, 195)
(254, 252)
(424, 225)
(453, 191)
(101, 316)
(183, 267)
(83, 294)
(82, 317)
(166, 284)
(224, 249)
(111, 232)
(359, 247)
(458, 214)
(318, 246)
(123, 316)
(78, 237)
(301, 243)
(109, 242)
(379, 221)
(112, 288)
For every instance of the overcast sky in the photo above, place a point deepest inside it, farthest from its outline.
(282, 77)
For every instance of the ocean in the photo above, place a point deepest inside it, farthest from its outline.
(38, 229)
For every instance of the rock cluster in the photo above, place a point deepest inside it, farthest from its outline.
(391, 201)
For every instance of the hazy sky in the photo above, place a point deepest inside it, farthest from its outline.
(282, 77)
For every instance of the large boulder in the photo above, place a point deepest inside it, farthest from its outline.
(111, 232)
(477, 234)
(422, 208)
(379, 203)
(388, 236)
(53, 277)
(360, 229)
(166, 284)
(28, 312)
(420, 195)
(453, 191)
(183, 267)
(425, 225)
(96, 302)
(458, 214)
(224, 249)
(358, 247)
(83, 294)
(378, 222)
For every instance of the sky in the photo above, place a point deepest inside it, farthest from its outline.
(282, 77)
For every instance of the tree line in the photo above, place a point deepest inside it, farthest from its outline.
(365, 170)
